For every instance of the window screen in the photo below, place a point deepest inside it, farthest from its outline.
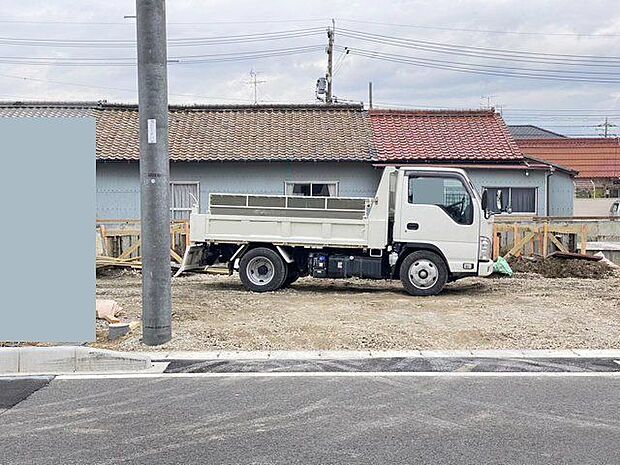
(519, 199)
(183, 195)
(314, 189)
(447, 193)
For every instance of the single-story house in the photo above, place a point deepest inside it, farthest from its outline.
(596, 159)
(306, 150)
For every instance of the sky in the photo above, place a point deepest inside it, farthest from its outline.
(418, 54)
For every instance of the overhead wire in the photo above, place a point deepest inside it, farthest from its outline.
(172, 42)
(484, 52)
(483, 31)
(472, 70)
(181, 59)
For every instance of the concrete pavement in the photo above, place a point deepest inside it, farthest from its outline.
(367, 419)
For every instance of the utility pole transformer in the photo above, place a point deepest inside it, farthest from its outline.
(154, 172)
(330, 63)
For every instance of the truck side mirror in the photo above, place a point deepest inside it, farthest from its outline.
(485, 200)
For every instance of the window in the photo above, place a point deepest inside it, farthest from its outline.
(312, 189)
(519, 199)
(447, 193)
(183, 196)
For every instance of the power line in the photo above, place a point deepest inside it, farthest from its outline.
(484, 52)
(176, 23)
(310, 20)
(475, 69)
(484, 31)
(497, 67)
(121, 89)
(178, 60)
(172, 42)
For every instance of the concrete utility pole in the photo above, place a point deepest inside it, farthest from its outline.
(330, 62)
(154, 171)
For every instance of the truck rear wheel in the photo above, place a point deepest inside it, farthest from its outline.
(262, 270)
(423, 273)
(292, 275)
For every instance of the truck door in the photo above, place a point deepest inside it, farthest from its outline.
(439, 209)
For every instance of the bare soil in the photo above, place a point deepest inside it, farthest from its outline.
(526, 311)
(561, 267)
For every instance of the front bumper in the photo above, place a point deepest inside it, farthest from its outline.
(485, 268)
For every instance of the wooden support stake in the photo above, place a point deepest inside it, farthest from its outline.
(519, 245)
(584, 239)
(130, 250)
(516, 238)
(558, 244)
(177, 258)
(545, 244)
(497, 237)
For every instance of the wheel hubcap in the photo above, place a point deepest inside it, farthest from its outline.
(260, 271)
(423, 274)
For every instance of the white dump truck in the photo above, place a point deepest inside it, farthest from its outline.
(425, 226)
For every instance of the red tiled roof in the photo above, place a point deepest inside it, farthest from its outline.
(442, 135)
(592, 157)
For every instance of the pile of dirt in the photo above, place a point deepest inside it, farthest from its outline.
(561, 267)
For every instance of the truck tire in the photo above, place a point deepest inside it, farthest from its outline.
(423, 273)
(292, 275)
(262, 270)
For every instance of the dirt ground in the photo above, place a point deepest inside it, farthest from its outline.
(526, 311)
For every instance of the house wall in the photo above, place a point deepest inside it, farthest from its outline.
(118, 186)
(118, 183)
(561, 194)
(512, 178)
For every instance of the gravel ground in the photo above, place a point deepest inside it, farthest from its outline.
(526, 311)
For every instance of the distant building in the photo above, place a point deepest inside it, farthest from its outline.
(596, 159)
(528, 131)
(315, 150)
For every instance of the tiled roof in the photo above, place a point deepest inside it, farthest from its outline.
(471, 135)
(47, 110)
(529, 131)
(276, 132)
(295, 132)
(592, 157)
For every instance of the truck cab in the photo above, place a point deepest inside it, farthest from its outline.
(425, 226)
(439, 210)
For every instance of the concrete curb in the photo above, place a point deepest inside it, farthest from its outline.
(68, 359)
(348, 355)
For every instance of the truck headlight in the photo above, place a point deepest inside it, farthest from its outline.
(486, 247)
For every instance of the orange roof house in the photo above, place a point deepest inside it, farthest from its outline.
(596, 159)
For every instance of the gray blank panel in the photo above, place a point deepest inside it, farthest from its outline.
(48, 194)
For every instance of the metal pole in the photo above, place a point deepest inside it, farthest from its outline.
(154, 171)
(370, 95)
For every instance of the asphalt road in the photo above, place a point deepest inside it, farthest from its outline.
(330, 419)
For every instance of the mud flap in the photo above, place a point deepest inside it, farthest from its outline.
(192, 259)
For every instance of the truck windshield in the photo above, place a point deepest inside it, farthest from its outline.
(448, 193)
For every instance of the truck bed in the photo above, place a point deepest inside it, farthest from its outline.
(284, 220)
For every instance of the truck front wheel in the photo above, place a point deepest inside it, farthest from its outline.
(262, 270)
(423, 273)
